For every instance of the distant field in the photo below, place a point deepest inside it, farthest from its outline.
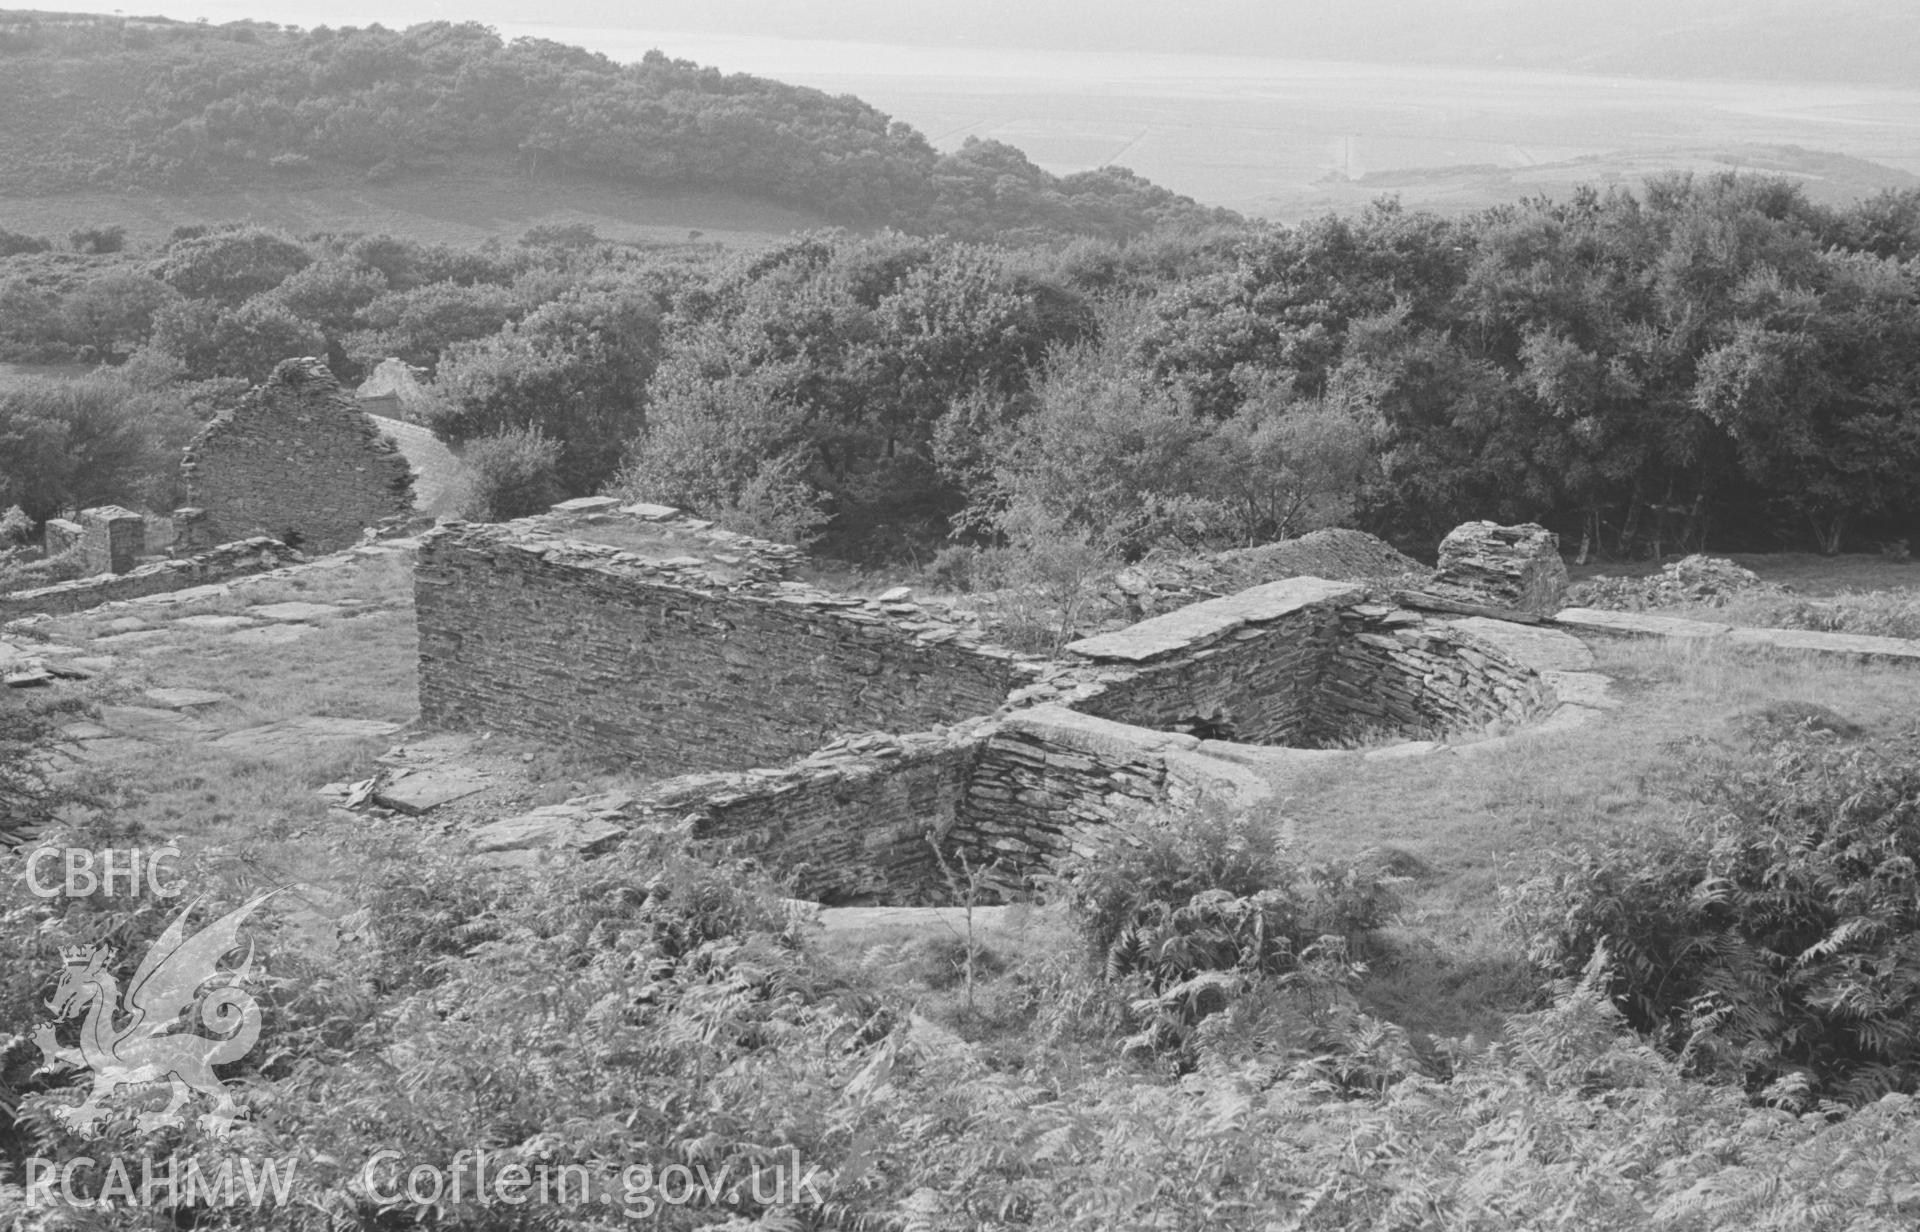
(462, 208)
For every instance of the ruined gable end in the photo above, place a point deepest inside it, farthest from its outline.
(297, 460)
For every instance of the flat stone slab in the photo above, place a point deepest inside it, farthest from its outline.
(270, 635)
(1201, 622)
(181, 699)
(554, 827)
(214, 624)
(1594, 689)
(587, 504)
(1102, 737)
(652, 513)
(109, 747)
(152, 723)
(1432, 601)
(190, 594)
(1845, 645)
(127, 641)
(295, 610)
(126, 624)
(1635, 624)
(295, 737)
(83, 730)
(420, 790)
(1542, 649)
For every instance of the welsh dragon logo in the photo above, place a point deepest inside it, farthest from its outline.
(153, 1045)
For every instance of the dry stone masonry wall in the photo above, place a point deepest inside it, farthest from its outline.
(856, 821)
(1047, 777)
(1244, 668)
(1304, 662)
(675, 644)
(229, 560)
(299, 461)
(636, 633)
(1392, 669)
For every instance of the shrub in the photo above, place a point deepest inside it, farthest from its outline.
(72, 443)
(15, 527)
(13, 243)
(1775, 938)
(1198, 909)
(510, 474)
(98, 240)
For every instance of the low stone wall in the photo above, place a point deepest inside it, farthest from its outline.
(1243, 668)
(1303, 662)
(246, 556)
(851, 823)
(857, 821)
(676, 651)
(1394, 669)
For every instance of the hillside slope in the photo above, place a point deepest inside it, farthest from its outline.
(103, 103)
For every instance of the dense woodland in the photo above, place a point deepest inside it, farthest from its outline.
(1707, 362)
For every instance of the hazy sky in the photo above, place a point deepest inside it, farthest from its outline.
(1775, 40)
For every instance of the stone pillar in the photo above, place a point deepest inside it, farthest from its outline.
(1513, 567)
(62, 535)
(115, 539)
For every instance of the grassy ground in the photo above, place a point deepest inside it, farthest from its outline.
(1469, 823)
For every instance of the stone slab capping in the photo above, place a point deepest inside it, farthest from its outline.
(839, 738)
(297, 460)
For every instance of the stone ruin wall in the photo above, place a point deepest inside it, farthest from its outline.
(229, 560)
(1010, 796)
(850, 823)
(690, 648)
(299, 461)
(1395, 669)
(1245, 668)
(1304, 662)
(695, 661)
(107, 538)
